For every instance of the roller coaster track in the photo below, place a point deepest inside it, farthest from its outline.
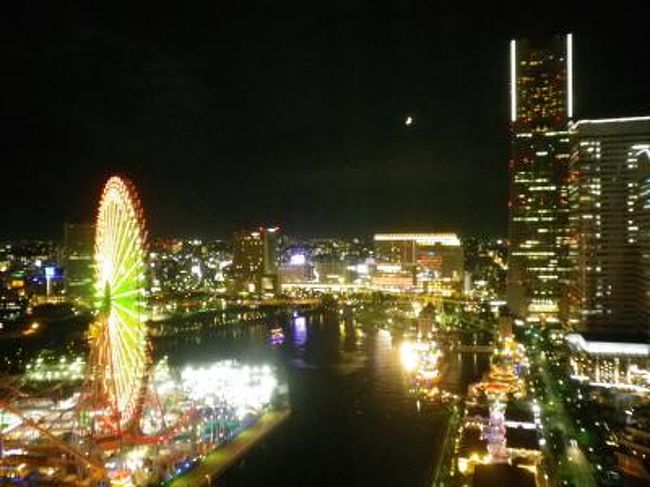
(98, 469)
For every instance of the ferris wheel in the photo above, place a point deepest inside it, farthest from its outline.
(119, 338)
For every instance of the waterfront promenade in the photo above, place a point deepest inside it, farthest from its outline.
(219, 460)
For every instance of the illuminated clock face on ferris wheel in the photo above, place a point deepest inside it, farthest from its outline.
(121, 342)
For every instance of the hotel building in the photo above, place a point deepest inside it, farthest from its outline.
(609, 192)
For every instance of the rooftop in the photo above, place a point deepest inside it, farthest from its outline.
(522, 438)
(593, 346)
(605, 126)
(450, 239)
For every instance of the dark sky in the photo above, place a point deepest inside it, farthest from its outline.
(248, 113)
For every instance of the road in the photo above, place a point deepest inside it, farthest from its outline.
(578, 467)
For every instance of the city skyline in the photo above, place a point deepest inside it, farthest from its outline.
(246, 244)
(318, 142)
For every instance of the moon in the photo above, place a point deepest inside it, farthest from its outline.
(409, 121)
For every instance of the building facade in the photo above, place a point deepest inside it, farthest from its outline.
(598, 361)
(78, 263)
(255, 260)
(541, 95)
(643, 219)
(609, 194)
(418, 261)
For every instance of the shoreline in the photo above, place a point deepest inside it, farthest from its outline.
(222, 458)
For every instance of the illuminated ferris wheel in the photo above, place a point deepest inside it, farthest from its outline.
(119, 338)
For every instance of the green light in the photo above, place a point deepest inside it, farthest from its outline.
(119, 288)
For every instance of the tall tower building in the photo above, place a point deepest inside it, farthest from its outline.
(541, 104)
(79, 241)
(271, 246)
(643, 219)
(609, 193)
(255, 260)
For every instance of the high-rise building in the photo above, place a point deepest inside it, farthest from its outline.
(541, 94)
(609, 190)
(79, 241)
(643, 219)
(271, 246)
(255, 260)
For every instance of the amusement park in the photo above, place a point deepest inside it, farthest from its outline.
(114, 415)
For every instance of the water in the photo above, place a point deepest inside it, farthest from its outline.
(353, 421)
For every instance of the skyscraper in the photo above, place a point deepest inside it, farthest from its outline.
(643, 219)
(541, 95)
(79, 240)
(255, 260)
(609, 192)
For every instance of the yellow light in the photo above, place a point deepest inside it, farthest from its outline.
(569, 48)
(32, 329)
(513, 80)
(409, 356)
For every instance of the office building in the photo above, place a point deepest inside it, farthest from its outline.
(79, 241)
(541, 104)
(430, 262)
(609, 193)
(255, 260)
(643, 219)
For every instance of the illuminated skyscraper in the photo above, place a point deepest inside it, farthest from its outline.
(609, 192)
(643, 219)
(255, 260)
(541, 95)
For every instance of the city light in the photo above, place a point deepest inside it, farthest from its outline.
(247, 389)
(569, 49)
(409, 356)
(118, 338)
(212, 400)
(513, 80)
(298, 259)
(459, 344)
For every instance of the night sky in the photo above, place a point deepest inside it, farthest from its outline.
(284, 113)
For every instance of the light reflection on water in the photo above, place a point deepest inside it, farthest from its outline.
(299, 331)
(353, 420)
